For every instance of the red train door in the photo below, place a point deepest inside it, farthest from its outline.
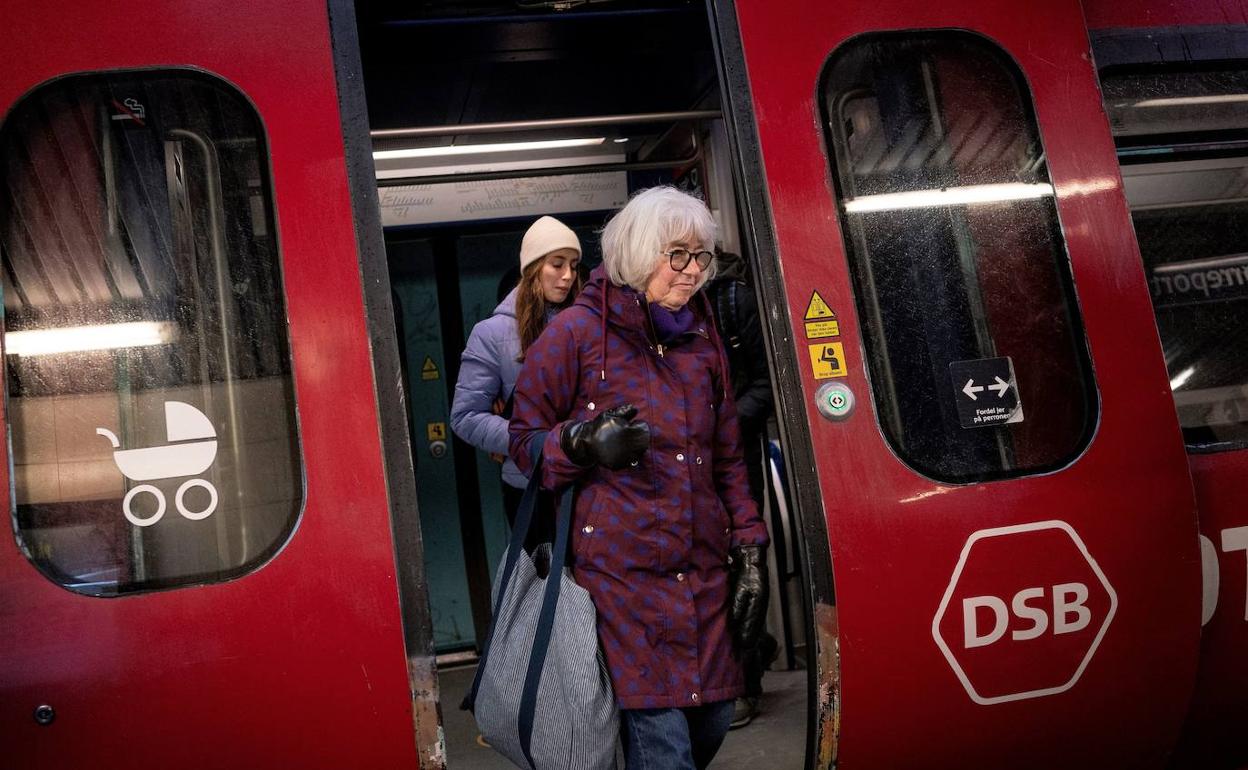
(1008, 507)
(201, 569)
(1174, 77)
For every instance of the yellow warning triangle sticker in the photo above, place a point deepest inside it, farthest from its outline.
(429, 370)
(818, 308)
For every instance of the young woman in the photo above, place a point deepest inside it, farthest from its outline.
(549, 280)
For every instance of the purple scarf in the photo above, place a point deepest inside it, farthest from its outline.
(669, 324)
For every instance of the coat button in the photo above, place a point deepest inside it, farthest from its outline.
(693, 696)
(590, 406)
(698, 460)
(589, 529)
(680, 576)
(680, 457)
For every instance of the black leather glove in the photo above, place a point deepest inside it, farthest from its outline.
(749, 595)
(611, 439)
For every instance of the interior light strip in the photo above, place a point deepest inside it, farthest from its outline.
(480, 149)
(40, 342)
(1180, 379)
(949, 196)
(1188, 101)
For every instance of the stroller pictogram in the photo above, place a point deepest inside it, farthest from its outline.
(183, 422)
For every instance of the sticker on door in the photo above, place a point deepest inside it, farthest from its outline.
(170, 461)
(827, 359)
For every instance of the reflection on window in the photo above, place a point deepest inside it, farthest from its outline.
(150, 402)
(1181, 136)
(974, 347)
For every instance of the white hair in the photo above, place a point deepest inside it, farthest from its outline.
(634, 239)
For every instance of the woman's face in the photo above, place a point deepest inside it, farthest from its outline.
(558, 274)
(674, 288)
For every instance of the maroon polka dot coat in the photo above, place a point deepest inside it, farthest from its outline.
(650, 543)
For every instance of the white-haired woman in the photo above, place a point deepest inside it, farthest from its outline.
(631, 389)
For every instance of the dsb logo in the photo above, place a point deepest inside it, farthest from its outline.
(1025, 609)
(1070, 614)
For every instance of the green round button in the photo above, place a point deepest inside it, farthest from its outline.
(835, 400)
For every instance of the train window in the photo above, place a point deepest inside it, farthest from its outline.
(150, 404)
(974, 344)
(1182, 136)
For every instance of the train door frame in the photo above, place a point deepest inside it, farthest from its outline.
(391, 402)
(822, 654)
(744, 130)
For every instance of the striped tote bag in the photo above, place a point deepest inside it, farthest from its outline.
(542, 695)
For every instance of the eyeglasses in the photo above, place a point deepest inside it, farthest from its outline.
(680, 258)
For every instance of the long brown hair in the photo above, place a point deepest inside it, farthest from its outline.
(531, 304)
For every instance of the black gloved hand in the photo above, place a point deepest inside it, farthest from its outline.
(749, 595)
(611, 439)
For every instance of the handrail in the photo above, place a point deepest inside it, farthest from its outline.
(537, 125)
(520, 173)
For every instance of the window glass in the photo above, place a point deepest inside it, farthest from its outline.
(974, 346)
(150, 403)
(1182, 136)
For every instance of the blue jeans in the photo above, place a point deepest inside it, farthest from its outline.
(673, 739)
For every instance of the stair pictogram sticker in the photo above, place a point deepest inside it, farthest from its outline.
(820, 319)
(429, 370)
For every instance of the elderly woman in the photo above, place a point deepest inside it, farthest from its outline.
(631, 389)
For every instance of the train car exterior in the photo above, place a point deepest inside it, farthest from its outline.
(181, 167)
(1178, 63)
(210, 559)
(903, 143)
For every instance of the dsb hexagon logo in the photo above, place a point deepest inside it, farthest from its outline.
(1024, 612)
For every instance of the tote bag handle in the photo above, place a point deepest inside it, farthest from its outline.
(550, 596)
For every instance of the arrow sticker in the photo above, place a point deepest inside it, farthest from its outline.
(997, 376)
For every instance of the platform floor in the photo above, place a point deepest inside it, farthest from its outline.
(776, 739)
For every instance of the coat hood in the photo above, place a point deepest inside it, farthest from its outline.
(627, 309)
(730, 267)
(508, 306)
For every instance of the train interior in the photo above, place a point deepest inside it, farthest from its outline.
(485, 116)
(1179, 132)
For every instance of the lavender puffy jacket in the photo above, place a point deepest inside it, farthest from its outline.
(487, 371)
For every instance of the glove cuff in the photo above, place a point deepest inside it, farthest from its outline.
(746, 555)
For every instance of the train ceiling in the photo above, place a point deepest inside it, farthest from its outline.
(451, 63)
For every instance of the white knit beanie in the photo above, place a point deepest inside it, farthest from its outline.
(544, 236)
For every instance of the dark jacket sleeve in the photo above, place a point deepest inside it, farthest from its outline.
(755, 401)
(729, 473)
